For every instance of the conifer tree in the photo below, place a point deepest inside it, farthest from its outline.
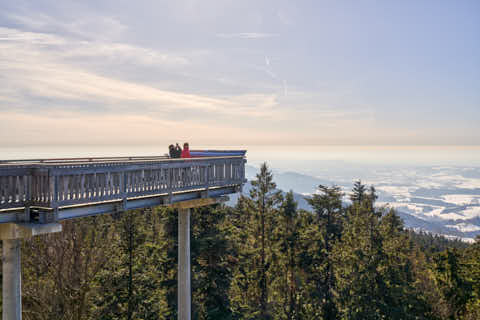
(455, 289)
(261, 208)
(212, 255)
(359, 256)
(472, 274)
(130, 285)
(244, 291)
(285, 291)
(327, 205)
(265, 198)
(403, 299)
(359, 192)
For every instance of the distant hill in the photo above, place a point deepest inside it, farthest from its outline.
(300, 199)
(289, 180)
(422, 208)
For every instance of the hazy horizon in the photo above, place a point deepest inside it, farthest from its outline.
(294, 158)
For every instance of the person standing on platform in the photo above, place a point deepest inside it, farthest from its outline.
(171, 151)
(178, 151)
(186, 151)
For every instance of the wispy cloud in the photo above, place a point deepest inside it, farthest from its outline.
(247, 35)
(86, 28)
(59, 47)
(35, 71)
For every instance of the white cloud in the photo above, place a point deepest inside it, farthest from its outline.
(247, 35)
(91, 27)
(124, 53)
(21, 45)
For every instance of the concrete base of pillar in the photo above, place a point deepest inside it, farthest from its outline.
(27, 230)
(184, 279)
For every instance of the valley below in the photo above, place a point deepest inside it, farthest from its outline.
(442, 200)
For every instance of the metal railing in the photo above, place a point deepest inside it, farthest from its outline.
(54, 183)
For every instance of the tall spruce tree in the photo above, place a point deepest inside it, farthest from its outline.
(327, 205)
(456, 290)
(403, 299)
(285, 287)
(265, 199)
(212, 263)
(130, 285)
(359, 257)
(244, 291)
(261, 208)
(359, 192)
(472, 275)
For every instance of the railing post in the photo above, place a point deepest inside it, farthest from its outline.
(55, 197)
(28, 195)
(207, 183)
(170, 183)
(124, 191)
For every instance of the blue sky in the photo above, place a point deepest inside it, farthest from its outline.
(240, 72)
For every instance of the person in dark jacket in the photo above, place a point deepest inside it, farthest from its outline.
(171, 151)
(186, 151)
(178, 151)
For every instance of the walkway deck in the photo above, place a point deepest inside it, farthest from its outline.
(36, 194)
(48, 190)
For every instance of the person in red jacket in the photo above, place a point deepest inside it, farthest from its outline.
(186, 151)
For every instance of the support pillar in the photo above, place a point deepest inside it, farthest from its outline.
(12, 280)
(12, 234)
(184, 278)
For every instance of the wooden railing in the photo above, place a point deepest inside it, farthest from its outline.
(56, 183)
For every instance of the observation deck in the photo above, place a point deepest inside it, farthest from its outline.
(49, 190)
(36, 194)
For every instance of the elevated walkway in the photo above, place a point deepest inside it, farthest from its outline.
(47, 190)
(35, 194)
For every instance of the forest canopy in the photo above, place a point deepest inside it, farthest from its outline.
(262, 259)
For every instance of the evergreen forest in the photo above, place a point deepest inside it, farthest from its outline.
(262, 259)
